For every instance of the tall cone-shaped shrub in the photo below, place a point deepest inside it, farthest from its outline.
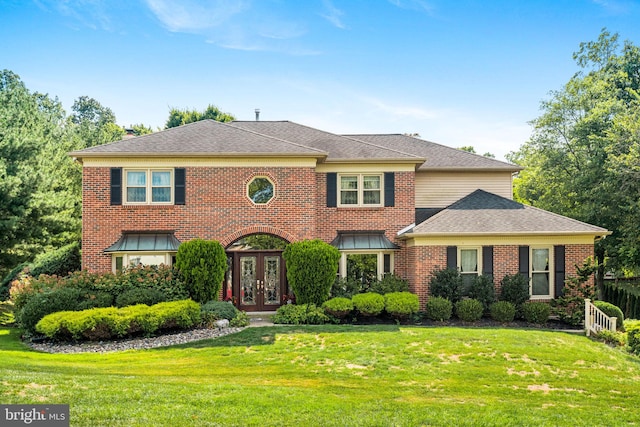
(202, 264)
(312, 266)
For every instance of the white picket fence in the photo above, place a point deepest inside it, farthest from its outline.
(595, 320)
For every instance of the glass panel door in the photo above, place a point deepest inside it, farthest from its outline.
(248, 279)
(272, 280)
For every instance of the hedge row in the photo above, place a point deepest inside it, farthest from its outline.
(623, 295)
(111, 322)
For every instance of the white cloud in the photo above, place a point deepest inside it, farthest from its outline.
(333, 15)
(420, 5)
(88, 13)
(195, 16)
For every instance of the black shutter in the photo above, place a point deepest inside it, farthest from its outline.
(523, 261)
(332, 189)
(558, 262)
(452, 257)
(116, 186)
(389, 189)
(179, 177)
(487, 261)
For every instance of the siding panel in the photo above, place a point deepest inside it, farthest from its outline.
(440, 189)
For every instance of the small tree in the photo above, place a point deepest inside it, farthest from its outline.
(570, 306)
(202, 264)
(312, 266)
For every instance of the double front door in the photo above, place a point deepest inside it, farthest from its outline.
(260, 280)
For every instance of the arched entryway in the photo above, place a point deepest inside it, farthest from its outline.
(256, 279)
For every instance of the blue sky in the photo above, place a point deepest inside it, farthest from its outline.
(456, 72)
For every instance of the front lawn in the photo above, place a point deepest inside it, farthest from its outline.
(337, 375)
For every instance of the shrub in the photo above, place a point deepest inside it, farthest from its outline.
(304, 314)
(633, 335)
(140, 296)
(536, 312)
(612, 338)
(312, 266)
(338, 307)
(59, 262)
(389, 283)
(469, 310)
(217, 310)
(503, 311)
(439, 309)
(110, 322)
(241, 320)
(483, 289)
(570, 306)
(611, 311)
(202, 264)
(446, 283)
(344, 287)
(10, 277)
(401, 305)
(369, 304)
(41, 304)
(95, 300)
(514, 288)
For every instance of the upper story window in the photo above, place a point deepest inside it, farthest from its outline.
(148, 186)
(361, 190)
(540, 268)
(260, 190)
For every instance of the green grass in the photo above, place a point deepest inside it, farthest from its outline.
(337, 376)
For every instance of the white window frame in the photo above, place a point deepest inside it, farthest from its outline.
(126, 256)
(148, 185)
(549, 272)
(478, 250)
(360, 190)
(379, 264)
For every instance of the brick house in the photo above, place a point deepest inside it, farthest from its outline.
(389, 203)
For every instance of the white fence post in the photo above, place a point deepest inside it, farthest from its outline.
(587, 316)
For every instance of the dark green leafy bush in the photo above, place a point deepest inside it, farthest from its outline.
(60, 262)
(217, 310)
(369, 304)
(536, 312)
(633, 335)
(401, 305)
(202, 264)
(617, 338)
(304, 314)
(111, 322)
(148, 296)
(611, 311)
(446, 283)
(241, 320)
(439, 309)
(469, 310)
(344, 287)
(483, 289)
(312, 266)
(502, 311)
(338, 307)
(95, 300)
(389, 283)
(41, 304)
(514, 288)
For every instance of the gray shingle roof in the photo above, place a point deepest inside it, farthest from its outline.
(203, 137)
(482, 212)
(438, 156)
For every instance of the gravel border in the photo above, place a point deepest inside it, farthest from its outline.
(133, 343)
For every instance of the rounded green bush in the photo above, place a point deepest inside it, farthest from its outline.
(369, 304)
(388, 284)
(304, 314)
(338, 307)
(483, 289)
(439, 309)
(38, 306)
(140, 296)
(401, 305)
(536, 312)
(515, 289)
(95, 300)
(446, 283)
(469, 310)
(202, 264)
(220, 309)
(503, 311)
(611, 311)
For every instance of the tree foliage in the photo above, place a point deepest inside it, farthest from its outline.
(582, 159)
(202, 264)
(179, 117)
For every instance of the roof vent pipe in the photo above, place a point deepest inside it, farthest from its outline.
(257, 114)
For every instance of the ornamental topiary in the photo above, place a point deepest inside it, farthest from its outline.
(338, 307)
(502, 311)
(611, 311)
(202, 264)
(469, 310)
(401, 305)
(369, 304)
(536, 312)
(312, 266)
(439, 309)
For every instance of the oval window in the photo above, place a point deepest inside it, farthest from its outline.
(260, 190)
